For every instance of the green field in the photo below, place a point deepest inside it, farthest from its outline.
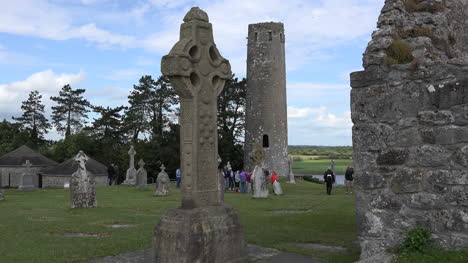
(32, 224)
(311, 165)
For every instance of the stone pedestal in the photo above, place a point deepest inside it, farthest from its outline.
(82, 185)
(204, 234)
(260, 185)
(162, 183)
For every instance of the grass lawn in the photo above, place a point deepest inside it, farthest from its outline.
(313, 166)
(32, 223)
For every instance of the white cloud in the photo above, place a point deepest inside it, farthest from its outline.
(47, 82)
(318, 126)
(126, 74)
(41, 19)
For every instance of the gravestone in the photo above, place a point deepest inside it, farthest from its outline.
(203, 229)
(228, 165)
(409, 107)
(277, 188)
(292, 180)
(162, 183)
(130, 177)
(142, 176)
(82, 185)
(259, 180)
(2, 195)
(27, 178)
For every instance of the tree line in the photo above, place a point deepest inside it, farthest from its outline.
(149, 122)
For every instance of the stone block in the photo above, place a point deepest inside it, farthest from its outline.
(407, 181)
(371, 76)
(392, 157)
(455, 219)
(368, 180)
(443, 117)
(458, 195)
(462, 156)
(429, 156)
(204, 234)
(425, 201)
(448, 177)
(370, 137)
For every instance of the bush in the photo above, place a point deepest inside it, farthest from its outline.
(419, 6)
(399, 52)
(297, 159)
(312, 179)
(417, 240)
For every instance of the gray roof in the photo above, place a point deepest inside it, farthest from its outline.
(70, 166)
(19, 156)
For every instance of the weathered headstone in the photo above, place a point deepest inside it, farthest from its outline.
(203, 229)
(409, 107)
(2, 195)
(82, 185)
(162, 183)
(292, 180)
(27, 178)
(142, 176)
(228, 165)
(277, 188)
(259, 180)
(131, 171)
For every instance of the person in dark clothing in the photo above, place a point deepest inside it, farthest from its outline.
(110, 173)
(329, 178)
(349, 180)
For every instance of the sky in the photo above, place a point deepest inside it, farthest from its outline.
(105, 46)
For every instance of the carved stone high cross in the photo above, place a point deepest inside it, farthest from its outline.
(163, 168)
(197, 72)
(132, 154)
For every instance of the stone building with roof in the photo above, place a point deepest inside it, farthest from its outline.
(11, 166)
(57, 176)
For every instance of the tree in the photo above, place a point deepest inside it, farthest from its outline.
(109, 125)
(33, 120)
(71, 110)
(231, 120)
(150, 104)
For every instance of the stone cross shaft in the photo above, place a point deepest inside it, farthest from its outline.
(81, 158)
(132, 154)
(27, 164)
(197, 72)
(163, 168)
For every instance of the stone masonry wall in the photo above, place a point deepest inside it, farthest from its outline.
(266, 106)
(59, 181)
(410, 136)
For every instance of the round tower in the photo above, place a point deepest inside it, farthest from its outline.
(266, 110)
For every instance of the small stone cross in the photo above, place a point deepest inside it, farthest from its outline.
(163, 168)
(27, 164)
(132, 154)
(82, 159)
(141, 163)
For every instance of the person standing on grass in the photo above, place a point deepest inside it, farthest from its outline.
(237, 180)
(178, 177)
(110, 173)
(329, 178)
(349, 180)
(243, 182)
(231, 179)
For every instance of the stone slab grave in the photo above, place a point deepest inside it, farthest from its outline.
(259, 180)
(142, 176)
(27, 178)
(203, 229)
(82, 185)
(254, 253)
(409, 107)
(162, 183)
(130, 178)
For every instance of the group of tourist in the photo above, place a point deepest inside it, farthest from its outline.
(329, 179)
(236, 181)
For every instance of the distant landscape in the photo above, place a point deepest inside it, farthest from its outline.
(316, 159)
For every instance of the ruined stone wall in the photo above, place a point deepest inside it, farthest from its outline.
(410, 136)
(12, 175)
(266, 106)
